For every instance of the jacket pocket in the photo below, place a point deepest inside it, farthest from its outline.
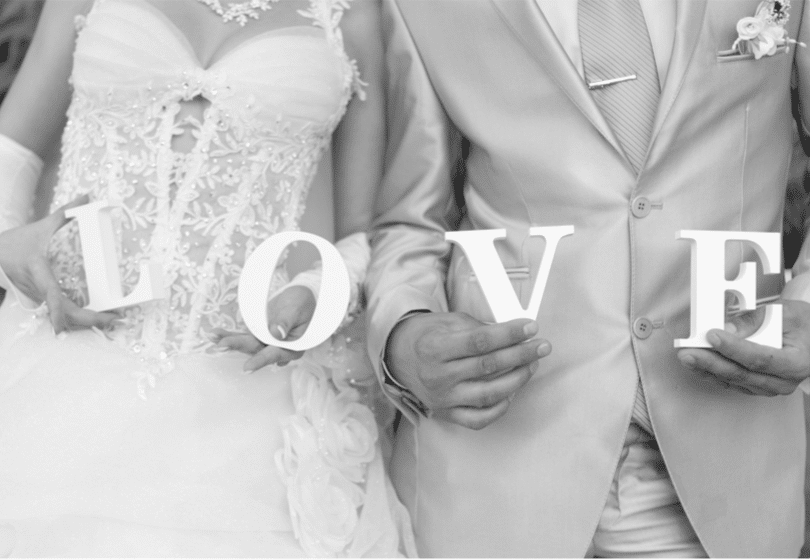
(732, 55)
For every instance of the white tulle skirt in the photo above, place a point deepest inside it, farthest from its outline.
(213, 462)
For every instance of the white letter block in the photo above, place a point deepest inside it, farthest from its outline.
(709, 284)
(332, 300)
(479, 247)
(101, 262)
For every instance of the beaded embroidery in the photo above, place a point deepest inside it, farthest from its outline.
(200, 213)
(239, 11)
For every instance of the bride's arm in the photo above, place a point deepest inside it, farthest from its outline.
(358, 150)
(33, 112)
(359, 142)
(32, 115)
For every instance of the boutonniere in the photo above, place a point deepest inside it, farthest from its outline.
(764, 32)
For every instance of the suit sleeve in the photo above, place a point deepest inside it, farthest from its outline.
(415, 204)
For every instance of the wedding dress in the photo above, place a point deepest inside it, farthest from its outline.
(146, 440)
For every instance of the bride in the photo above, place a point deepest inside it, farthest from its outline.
(136, 432)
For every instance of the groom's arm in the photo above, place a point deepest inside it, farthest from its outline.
(415, 204)
(458, 368)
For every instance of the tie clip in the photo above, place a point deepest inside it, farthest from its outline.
(602, 83)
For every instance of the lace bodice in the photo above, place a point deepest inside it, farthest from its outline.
(271, 105)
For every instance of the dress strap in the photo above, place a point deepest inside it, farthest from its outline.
(327, 14)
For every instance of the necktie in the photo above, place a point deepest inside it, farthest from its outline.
(615, 44)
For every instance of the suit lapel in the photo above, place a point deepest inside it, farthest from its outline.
(525, 19)
(690, 14)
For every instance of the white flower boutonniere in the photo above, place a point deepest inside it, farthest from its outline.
(763, 33)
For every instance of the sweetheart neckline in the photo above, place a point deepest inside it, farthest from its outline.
(316, 33)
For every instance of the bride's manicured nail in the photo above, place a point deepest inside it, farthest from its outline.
(279, 333)
(544, 349)
(531, 329)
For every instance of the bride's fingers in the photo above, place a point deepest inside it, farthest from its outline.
(218, 334)
(79, 318)
(262, 355)
(66, 315)
(241, 342)
(271, 355)
(290, 312)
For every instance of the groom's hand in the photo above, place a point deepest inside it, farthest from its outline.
(464, 371)
(751, 368)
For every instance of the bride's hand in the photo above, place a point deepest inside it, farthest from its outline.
(24, 259)
(289, 315)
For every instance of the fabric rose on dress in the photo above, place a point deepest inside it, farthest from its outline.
(349, 434)
(324, 505)
(346, 430)
(328, 445)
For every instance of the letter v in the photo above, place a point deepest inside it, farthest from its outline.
(479, 247)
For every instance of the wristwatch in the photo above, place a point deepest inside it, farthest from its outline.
(397, 390)
(402, 394)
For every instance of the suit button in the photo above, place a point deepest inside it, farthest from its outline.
(642, 328)
(640, 207)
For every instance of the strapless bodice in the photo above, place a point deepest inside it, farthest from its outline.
(270, 104)
(131, 49)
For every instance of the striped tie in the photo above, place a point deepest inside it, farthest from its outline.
(615, 44)
(641, 415)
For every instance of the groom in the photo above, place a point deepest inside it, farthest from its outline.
(629, 120)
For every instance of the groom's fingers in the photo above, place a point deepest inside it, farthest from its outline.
(476, 418)
(753, 368)
(500, 361)
(734, 375)
(486, 394)
(752, 356)
(484, 339)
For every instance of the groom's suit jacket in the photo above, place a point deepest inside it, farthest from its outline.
(542, 154)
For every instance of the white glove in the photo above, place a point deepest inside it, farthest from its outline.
(20, 169)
